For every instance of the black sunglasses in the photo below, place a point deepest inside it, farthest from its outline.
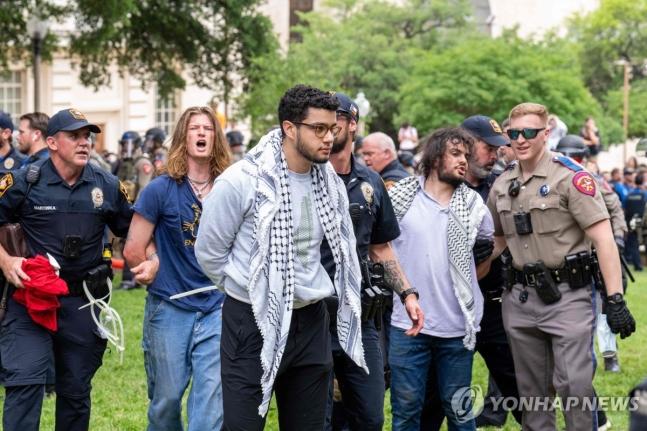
(526, 133)
(321, 129)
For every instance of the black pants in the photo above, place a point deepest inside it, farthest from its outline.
(492, 344)
(362, 394)
(301, 385)
(26, 349)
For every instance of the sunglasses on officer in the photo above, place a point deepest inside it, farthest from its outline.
(321, 129)
(526, 133)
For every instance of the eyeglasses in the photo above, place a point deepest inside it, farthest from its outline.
(526, 133)
(321, 129)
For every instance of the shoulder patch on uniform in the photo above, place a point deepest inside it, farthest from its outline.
(147, 168)
(569, 163)
(122, 189)
(5, 183)
(389, 183)
(584, 183)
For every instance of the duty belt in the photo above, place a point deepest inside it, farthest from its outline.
(530, 280)
(76, 289)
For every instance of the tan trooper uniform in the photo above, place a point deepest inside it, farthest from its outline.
(552, 344)
(145, 171)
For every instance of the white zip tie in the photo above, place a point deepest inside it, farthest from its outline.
(107, 316)
(193, 292)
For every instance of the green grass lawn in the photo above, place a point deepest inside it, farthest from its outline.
(119, 399)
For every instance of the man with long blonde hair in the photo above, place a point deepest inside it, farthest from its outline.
(182, 335)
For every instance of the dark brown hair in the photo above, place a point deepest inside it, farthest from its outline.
(37, 121)
(434, 146)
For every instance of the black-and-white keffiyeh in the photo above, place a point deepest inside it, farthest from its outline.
(271, 282)
(466, 212)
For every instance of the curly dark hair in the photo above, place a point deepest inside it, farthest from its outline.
(295, 103)
(434, 147)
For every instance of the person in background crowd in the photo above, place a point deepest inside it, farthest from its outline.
(632, 163)
(358, 151)
(31, 137)
(154, 146)
(407, 137)
(558, 130)
(10, 158)
(616, 177)
(505, 152)
(72, 233)
(260, 238)
(634, 210)
(438, 257)
(407, 161)
(181, 336)
(623, 187)
(591, 136)
(607, 177)
(235, 139)
(381, 156)
(97, 159)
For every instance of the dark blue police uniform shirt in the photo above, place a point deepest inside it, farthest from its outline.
(635, 203)
(54, 209)
(38, 155)
(12, 161)
(377, 223)
(393, 172)
(175, 211)
(493, 280)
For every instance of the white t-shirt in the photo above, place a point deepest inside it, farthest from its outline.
(311, 279)
(408, 138)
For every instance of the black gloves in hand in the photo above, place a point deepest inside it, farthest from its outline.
(483, 249)
(620, 242)
(620, 319)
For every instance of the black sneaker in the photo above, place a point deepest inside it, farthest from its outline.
(611, 365)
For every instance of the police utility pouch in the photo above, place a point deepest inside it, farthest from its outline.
(13, 241)
(507, 271)
(545, 285)
(522, 223)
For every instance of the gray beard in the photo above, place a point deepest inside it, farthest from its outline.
(479, 172)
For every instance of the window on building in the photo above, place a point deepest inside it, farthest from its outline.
(165, 112)
(298, 6)
(11, 95)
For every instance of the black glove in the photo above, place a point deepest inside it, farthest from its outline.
(620, 242)
(482, 250)
(620, 319)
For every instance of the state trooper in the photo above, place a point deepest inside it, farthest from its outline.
(10, 158)
(375, 226)
(63, 212)
(154, 146)
(548, 211)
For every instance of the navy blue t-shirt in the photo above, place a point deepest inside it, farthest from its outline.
(175, 211)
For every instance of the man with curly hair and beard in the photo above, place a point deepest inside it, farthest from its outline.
(259, 240)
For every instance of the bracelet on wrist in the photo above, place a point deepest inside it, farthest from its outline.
(152, 256)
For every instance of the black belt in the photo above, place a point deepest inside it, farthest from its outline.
(530, 280)
(76, 289)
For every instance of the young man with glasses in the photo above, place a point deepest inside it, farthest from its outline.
(260, 236)
(548, 211)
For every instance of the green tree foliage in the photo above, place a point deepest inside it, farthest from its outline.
(155, 40)
(352, 46)
(490, 76)
(614, 32)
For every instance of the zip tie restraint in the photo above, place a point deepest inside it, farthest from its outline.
(109, 322)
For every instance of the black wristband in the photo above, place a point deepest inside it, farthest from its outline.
(411, 291)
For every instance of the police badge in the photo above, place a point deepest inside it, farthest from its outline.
(368, 192)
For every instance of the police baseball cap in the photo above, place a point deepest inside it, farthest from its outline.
(68, 120)
(234, 138)
(485, 129)
(5, 121)
(347, 106)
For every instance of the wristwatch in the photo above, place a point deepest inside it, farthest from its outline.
(616, 298)
(411, 291)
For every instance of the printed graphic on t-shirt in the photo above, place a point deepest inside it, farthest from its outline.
(190, 229)
(303, 235)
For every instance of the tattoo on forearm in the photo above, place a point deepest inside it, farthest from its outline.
(393, 275)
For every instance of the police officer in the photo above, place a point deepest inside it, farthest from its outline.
(548, 211)
(32, 132)
(491, 341)
(154, 146)
(135, 170)
(10, 158)
(235, 140)
(375, 226)
(634, 212)
(381, 156)
(64, 213)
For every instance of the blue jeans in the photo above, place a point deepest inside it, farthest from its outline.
(179, 344)
(411, 359)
